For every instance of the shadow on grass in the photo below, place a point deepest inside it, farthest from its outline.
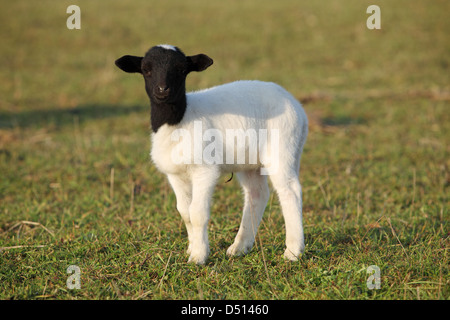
(62, 117)
(58, 117)
(342, 121)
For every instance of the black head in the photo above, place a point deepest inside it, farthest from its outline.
(164, 69)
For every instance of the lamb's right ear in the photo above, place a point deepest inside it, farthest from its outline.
(129, 63)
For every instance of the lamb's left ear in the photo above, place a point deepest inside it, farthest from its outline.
(199, 62)
(129, 64)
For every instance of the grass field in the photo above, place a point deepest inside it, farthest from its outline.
(77, 186)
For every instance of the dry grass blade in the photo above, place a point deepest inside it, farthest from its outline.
(165, 269)
(395, 235)
(30, 223)
(18, 247)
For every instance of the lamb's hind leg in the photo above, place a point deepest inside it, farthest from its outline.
(290, 195)
(256, 193)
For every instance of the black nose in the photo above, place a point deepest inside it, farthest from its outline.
(163, 90)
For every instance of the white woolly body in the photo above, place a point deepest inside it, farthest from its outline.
(238, 105)
(244, 105)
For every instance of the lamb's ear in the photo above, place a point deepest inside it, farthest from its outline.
(129, 64)
(199, 62)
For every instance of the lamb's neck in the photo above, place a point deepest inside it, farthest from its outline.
(170, 113)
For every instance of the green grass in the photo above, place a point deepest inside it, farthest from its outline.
(375, 170)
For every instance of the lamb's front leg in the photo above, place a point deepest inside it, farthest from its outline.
(203, 183)
(183, 192)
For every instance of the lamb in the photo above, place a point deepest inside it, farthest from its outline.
(257, 115)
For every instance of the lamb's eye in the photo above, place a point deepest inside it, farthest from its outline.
(147, 73)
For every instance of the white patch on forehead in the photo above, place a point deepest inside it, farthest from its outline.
(167, 47)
